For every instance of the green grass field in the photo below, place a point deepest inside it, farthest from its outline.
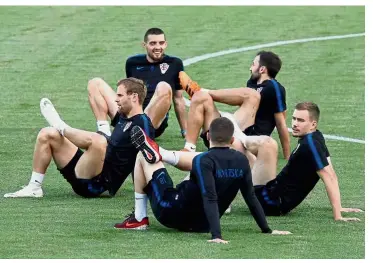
(53, 51)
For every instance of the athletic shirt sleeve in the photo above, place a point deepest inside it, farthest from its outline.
(179, 67)
(203, 168)
(275, 95)
(248, 193)
(318, 153)
(128, 68)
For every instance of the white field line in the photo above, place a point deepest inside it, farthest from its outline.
(197, 59)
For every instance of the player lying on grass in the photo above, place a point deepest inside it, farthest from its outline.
(198, 203)
(107, 161)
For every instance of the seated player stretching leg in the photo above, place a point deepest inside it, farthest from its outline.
(105, 164)
(198, 203)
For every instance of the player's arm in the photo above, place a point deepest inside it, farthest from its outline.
(330, 179)
(280, 119)
(128, 66)
(248, 193)
(247, 190)
(178, 99)
(203, 169)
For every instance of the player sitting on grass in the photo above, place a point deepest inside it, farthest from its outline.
(107, 161)
(198, 203)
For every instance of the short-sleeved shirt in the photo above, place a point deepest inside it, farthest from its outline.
(299, 176)
(152, 73)
(120, 155)
(273, 100)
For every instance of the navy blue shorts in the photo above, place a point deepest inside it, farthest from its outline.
(270, 203)
(88, 188)
(170, 205)
(162, 127)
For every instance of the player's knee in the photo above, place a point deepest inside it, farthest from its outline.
(269, 143)
(48, 134)
(201, 97)
(251, 95)
(94, 84)
(164, 89)
(98, 142)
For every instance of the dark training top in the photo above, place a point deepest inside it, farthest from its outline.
(152, 73)
(299, 176)
(273, 100)
(220, 173)
(120, 153)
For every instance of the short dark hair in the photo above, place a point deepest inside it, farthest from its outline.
(153, 31)
(312, 109)
(221, 130)
(271, 61)
(134, 85)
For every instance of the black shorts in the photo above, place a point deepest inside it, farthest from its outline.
(162, 127)
(84, 187)
(168, 203)
(250, 131)
(270, 203)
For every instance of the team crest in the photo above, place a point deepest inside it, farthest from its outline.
(164, 67)
(128, 124)
(259, 89)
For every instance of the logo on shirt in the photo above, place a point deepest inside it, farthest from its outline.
(127, 126)
(259, 89)
(164, 67)
(139, 68)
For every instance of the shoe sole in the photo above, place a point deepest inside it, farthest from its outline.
(139, 140)
(143, 227)
(31, 196)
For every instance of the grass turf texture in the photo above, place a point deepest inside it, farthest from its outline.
(53, 51)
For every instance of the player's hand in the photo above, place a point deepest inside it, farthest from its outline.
(278, 232)
(348, 219)
(351, 210)
(218, 240)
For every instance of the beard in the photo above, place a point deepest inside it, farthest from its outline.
(157, 57)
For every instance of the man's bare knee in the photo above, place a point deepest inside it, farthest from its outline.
(201, 97)
(94, 85)
(98, 141)
(48, 134)
(269, 143)
(251, 95)
(163, 89)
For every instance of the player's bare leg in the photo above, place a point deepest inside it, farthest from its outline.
(102, 101)
(159, 104)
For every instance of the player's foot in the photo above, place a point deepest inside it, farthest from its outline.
(51, 115)
(148, 147)
(27, 191)
(131, 223)
(188, 84)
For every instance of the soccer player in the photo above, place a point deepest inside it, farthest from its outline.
(262, 107)
(308, 162)
(160, 74)
(198, 203)
(106, 163)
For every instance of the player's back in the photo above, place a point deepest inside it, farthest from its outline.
(166, 70)
(228, 168)
(120, 153)
(299, 176)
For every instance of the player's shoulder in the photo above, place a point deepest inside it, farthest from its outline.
(315, 140)
(172, 59)
(273, 84)
(139, 58)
